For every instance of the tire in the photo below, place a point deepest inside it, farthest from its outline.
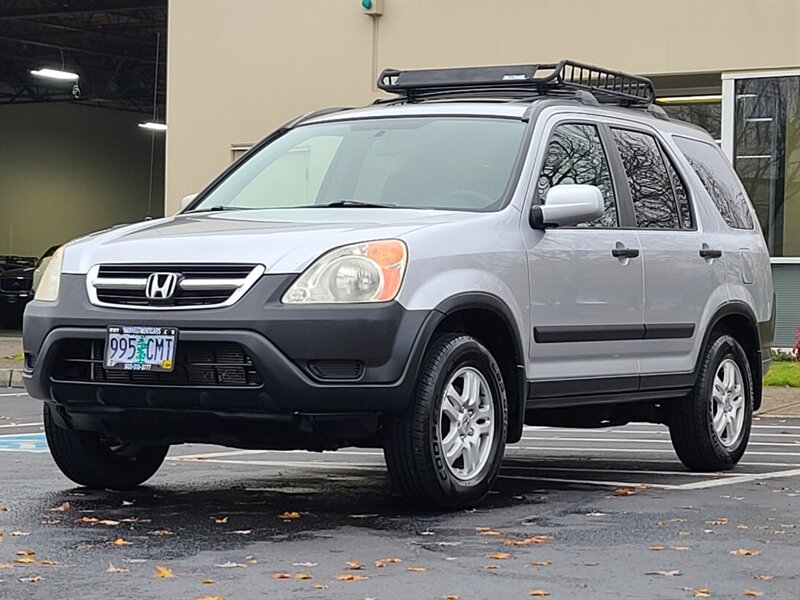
(90, 460)
(415, 441)
(700, 445)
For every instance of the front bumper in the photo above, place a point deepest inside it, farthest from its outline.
(284, 343)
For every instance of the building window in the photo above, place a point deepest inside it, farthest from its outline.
(705, 113)
(766, 156)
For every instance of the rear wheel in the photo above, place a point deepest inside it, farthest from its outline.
(446, 450)
(92, 460)
(711, 427)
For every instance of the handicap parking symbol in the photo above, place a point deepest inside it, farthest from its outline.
(23, 442)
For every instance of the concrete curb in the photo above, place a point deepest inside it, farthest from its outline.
(11, 378)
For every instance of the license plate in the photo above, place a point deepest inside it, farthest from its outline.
(131, 348)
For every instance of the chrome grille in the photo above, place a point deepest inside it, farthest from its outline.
(199, 285)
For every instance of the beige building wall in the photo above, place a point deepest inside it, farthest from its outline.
(67, 170)
(239, 68)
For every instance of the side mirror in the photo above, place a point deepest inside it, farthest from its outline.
(187, 200)
(568, 204)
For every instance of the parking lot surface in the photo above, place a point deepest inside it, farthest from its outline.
(578, 514)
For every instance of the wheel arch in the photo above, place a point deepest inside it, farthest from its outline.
(489, 319)
(738, 320)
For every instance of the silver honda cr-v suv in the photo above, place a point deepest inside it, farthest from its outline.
(491, 247)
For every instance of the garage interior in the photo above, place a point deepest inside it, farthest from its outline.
(74, 157)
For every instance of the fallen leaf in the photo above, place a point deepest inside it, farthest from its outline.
(764, 577)
(490, 567)
(122, 542)
(19, 533)
(656, 548)
(26, 553)
(281, 576)
(741, 526)
(161, 532)
(243, 531)
(163, 573)
(626, 491)
(681, 548)
(113, 569)
(719, 521)
(753, 593)
(488, 531)
(450, 597)
(49, 563)
(108, 522)
(541, 563)
(529, 541)
(665, 573)
(702, 593)
(303, 576)
(743, 552)
(87, 520)
(354, 565)
(320, 586)
(207, 581)
(32, 579)
(25, 560)
(220, 521)
(538, 593)
(416, 569)
(289, 515)
(231, 565)
(350, 577)
(6, 565)
(500, 555)
(62, 508)
(210, 598)
(382, 562)
(304, 564)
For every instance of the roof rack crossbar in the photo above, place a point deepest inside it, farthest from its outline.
(516, 81)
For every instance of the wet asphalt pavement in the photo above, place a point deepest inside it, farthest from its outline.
(555, 523)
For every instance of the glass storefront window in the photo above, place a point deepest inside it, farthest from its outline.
(766, 155)
(707, 115)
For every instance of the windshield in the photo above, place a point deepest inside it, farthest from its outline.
(435, 163)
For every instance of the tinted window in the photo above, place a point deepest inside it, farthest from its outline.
(575, 155)
(719, 180)
(651, 187)
(680, 195)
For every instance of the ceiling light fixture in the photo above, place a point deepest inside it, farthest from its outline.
(701, 99)
(55, 74)
(152, 125)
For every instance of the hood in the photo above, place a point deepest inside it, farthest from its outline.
(283, 240)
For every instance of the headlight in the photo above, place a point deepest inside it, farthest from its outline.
(368, 272)
(51, 279)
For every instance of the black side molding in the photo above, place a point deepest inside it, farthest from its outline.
(552, 334)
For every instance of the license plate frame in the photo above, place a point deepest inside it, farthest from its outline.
(128, 348)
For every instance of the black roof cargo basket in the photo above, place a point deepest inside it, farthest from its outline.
(519, 82)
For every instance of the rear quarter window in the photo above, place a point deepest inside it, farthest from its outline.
(720, 181)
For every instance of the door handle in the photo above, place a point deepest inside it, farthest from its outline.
(710, 253)
(622, 252)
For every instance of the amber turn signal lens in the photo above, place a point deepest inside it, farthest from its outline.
(390, 255)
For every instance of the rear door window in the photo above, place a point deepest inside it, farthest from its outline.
(655, 201)
(575, 155)
(720, 181)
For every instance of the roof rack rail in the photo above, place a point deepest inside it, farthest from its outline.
(519, 82)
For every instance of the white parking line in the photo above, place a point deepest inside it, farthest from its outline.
(639, 441)
(12, 395)
(646, 451)
(17, 425)
(299, 463)
(699, 485)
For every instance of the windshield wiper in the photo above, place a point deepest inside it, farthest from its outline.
(356, 204)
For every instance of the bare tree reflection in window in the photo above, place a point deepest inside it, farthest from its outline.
(651, 188)
(575, 155)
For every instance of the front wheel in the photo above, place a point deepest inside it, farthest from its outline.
(91, 460)
(711, 427)
(446, 449)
